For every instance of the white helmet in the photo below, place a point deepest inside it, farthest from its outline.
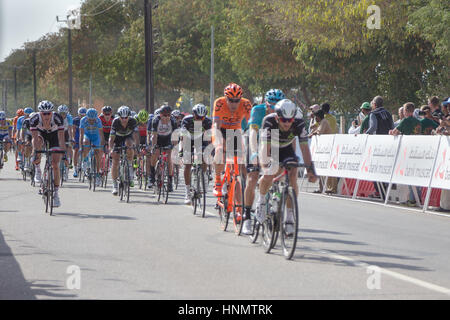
(2, 115)
(45, 106)
(63, 109)
(200, 110)
(124, 112)
(176, 113)
(286, 109)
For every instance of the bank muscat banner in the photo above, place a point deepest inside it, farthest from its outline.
(441, 174)
(321, 147)
(415, 161)
(407, 160)
(379, 158)
(347, 155)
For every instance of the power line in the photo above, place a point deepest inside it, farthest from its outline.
(103, 11)
(96, 7)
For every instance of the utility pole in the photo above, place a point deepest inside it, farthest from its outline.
(149, 72)
(211, 92)
(34, 80)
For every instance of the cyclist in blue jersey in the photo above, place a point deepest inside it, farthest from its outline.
(91, 132)
(76, 138)
(254, 124)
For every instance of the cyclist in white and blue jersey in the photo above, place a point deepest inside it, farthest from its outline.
(254, 124)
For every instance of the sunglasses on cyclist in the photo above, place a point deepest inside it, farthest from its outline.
(284, 120)
(46, 113)
(165, 115)
(270, 105)
(107, 114)
(234, 100)
(199, 118)
(123, 118)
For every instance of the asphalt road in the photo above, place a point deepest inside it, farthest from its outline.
(95, 247)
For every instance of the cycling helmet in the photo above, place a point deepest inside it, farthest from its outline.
(233, 91)
(274, 95)
(19, 112)
(286, 109)
(200, 110)
(142, 116)
(82, 111)
(45, 106)
(28, 110)
(157, 112)
(92, 113)
(165, 109)
(133, 114)
(33, 114)
(176, 113)
(107, 109)
(63, 109)
(124, 112)
(2, 115)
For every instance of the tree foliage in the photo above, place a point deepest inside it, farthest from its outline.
(315, 50)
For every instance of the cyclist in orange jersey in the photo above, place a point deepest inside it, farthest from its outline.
(228, 113)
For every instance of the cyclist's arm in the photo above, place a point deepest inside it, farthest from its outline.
(81, 138)
(61, 139)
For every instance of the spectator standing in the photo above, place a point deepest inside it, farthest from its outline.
(323, 124)
(427, 123)
(330, 118)
(435, 106)
(401, 116)
(313, 124)
(380, 122)
(446, 106)
(366, 110)
(410, 125)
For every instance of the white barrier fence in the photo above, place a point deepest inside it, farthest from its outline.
(422, 161)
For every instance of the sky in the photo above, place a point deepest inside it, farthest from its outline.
(28, 20)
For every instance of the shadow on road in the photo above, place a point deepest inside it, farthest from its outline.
(91, 216)
(13, 285)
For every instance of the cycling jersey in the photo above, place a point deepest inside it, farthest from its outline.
(257, 115)
(285, 139)
(106, 124)
(51, 134)
(188, 126)
(56, 123)
(231, 120)
(4, 129)
(118, 130)
(91, 130)
(163, 131)
(20, 123)
(68, 121)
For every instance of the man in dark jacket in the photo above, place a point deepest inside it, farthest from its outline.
(380, 121)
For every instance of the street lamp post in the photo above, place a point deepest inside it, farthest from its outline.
(149, 74)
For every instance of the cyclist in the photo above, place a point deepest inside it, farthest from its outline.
(228, 113)
(289, 126)
(20, 141)
(178, 117)
(106, 118)
(48, 126)
(26, 137)
(255, 123)
(142, 120)
(19, 113)
(123, 132)
(64, 112)
(76, 135)
(162, 127)
(91, 133)
(187, 126)
(6, 130)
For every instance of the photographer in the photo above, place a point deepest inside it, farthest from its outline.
(427, 123)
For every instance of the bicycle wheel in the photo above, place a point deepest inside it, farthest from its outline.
(127, 181)
(194, 192)
(270, 226)
(255, 229)
(166, 184)
(51, 189)
(45, 189)
(238, 206)
(94, 172)
(289, 225)
(224, 217)
(202, 192)
(159, 180)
